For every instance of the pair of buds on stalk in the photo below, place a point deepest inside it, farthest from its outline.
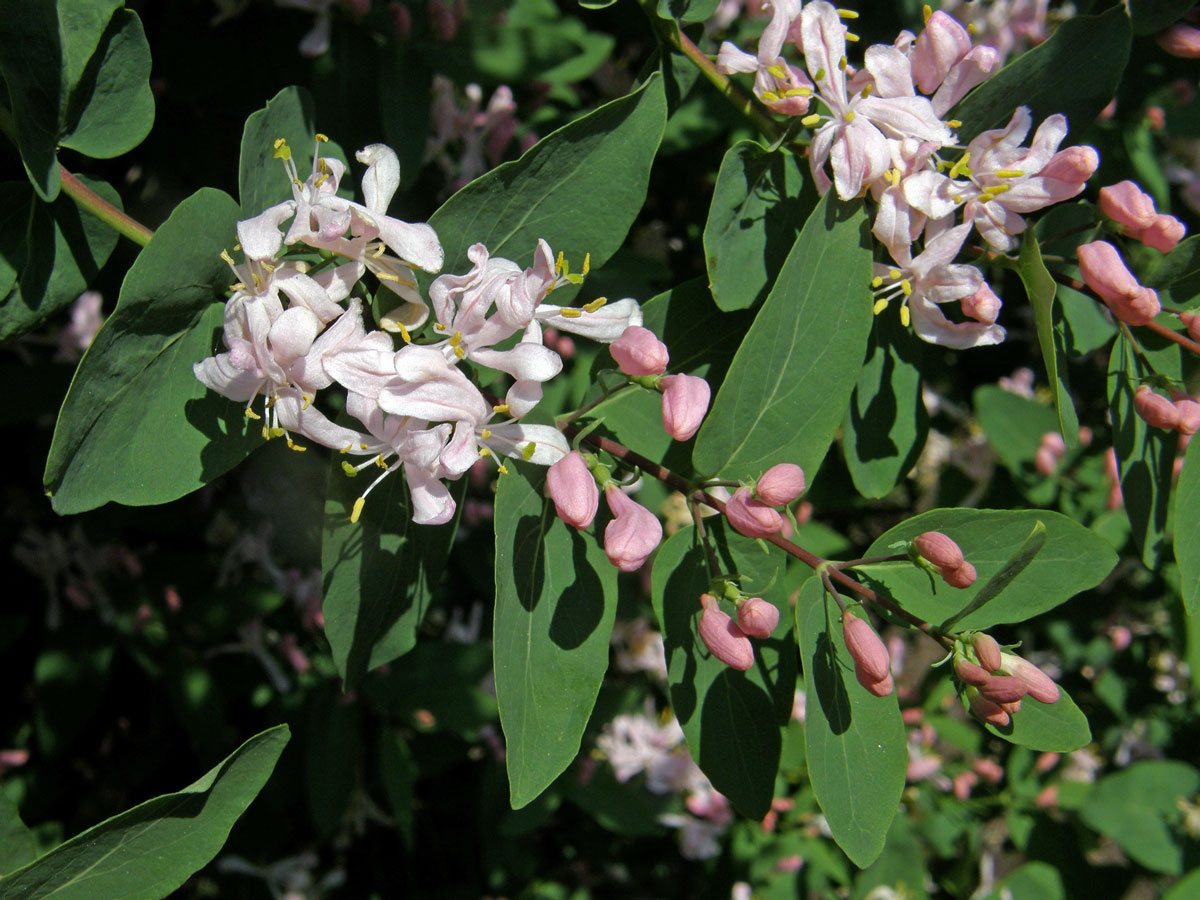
(729, 640)
(996, 681)
(644, 358)
(1182, 415)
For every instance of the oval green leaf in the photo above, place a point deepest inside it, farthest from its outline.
(1187, 528)
(1059, 727)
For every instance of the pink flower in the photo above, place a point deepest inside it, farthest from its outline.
(1191, 321)
(684, 404)
(751, 517)
(573, 490)
(871, 661)
(1189, 414)
(722, 636)
(780, 484)
(633, 534)
(983, 306)
(1106, 274)
(961, 576)
(1163, 234)
(1037, 684)
(1180, 40)
(638, 352)
(777, 83)
(1155, 409)
(757, 617)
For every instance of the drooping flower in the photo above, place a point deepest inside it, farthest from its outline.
(777, 83)
(634, 532)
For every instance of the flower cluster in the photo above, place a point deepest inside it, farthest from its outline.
(884, 134)
(415, 407)
(995, 682)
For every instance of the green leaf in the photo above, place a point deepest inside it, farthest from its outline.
(1032, 881)
(1075, 72)
(887, 423)
(1150, 16)
(1059, 727)
(756, 212)
(1041, 290)
(687, 10)
(579, 188)
(58, 251)
(1176, 276)
(1145, 455)
(1016, 564)
(137, 427)
(405, 82)
(112, 107)
(262, 179)
(1073, 559)
(1187, 888)
(1014, 426)
(1137, 807)
(147, 852)
(854, 741)
(1187, 529)
(380, 574)
(17, 844)
(732, 720)
(556, 599)
(789, 384)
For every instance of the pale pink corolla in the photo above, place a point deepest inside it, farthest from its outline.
(633, 534)
(777, 83)
(573, 490)
(855, 136)
(944, 64)
(780, 484)
(1131, 207)
(751, 517)
(723, 637)
(638, 352)
(684, 404)
(1181, 40)
(1105, 273)
(757, 617)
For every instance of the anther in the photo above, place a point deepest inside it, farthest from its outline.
(770, 96)
(404, 333)
(778, 71)
(927, 12)
(850, 14)
(905, 316)
(595, 304)
(877, 281)
(225, 256)
(251, 414)
(358, 508)
(350, 471)
(906, 286)
(954, 123)
(587, 263)
(893, 273)
(880, 306)
(559, 263)
(500, 408)
(502, 469)
(866, 91)
(1009, 173)
(849, 117)
(292, 445)
(852, 37)
(528, 450)
(820, 74)
(810, 121)
(486, 433)
(322, 138)
(569, 313)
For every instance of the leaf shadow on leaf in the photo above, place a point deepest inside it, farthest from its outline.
(580, 606)
(82, 91)
(681, 602)
(225, 425)
(529, 569)
(875, 441)
(828, 683)
(732, 699)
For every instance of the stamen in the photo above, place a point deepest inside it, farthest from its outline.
(569, 313)
(404, 333)
(595, 304)
(358, 508)
(852, 37)
(986, 197)
(893, 273)
(350, 471)
(484, 451)
(378, 251)
(842, 64)
(849, 117)
(587, 263)
(820, 74)
(251, 414)
(905, 316)
(866, 91)
(225, 256)
(926, 11)
(306, 401)
(378, 460)
(292, 445)
(810, 121)
(770, 96)
(528, 450)
(500, 408)
(877, 281)
(559, 263)
(460, 352)
(778, 71)
(502, 469)
(1008, 173)
(282, 150)
(321, 180)
(880, 306)
(954, 123)
(798, 92)
(906, 286)
(850, 14)
(320, 137)
(485, 433)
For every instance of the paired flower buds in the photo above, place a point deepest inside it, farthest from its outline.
(997, 684)
(872, 665)
(757, 617)
(1130, 206)
(946, 556)
(1182, 415)
(634, 532)
(1105, 273)
(638, 352)
(723, 637)
(755, 517)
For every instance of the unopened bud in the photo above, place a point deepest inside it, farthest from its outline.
(723, 638)
(1191, 321)
(1189, 414)
(1180, 40)
(871, 660)
(1038, 684)
(970, 673)
(987, 651)
(638, 352)
(1154, 409)
(632, 535)
(1163, 233)
(573, 490)
(1003, 689)
(987, 710)
(780, 484)
(938, 549)
(1127, 204)
(757, 617)
(751, 517)
(880, 688)
(961, 576)
(684, 404)
(1103, 270)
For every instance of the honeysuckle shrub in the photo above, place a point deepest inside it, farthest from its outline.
(330, 325)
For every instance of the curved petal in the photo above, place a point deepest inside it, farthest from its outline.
(260, 236)
(606, 324)
(542, 445)
(932, 326)
(382, 177)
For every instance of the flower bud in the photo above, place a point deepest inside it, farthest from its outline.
(879, 688)
(1038, 684)
(684, 403)
(781, 484)
(1189, 414)
(983, 305)
(871, 660)
(1163, 233)
(633, 533)
(757, 617)
(941, 44)
(1003, 689)
(959, 577)
(722, 636)
(939, 549)
(988, 652)
(1127, 204)
(1154, 409)
(751, 517)
(1105, 273)
(987, 710)
(970, 673)
(573, 490)
(1180, 40)
(638, 352)
(1191, 321)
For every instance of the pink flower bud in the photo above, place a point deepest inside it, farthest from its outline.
(757, 617)
(1045, 461)
(1068, 171)
(879, 688)
(684, 403)
(1106, 274)
(722, 636)
(633, 534)
(987, 710)
(1038, 684)
(988, 652)
(638, 352)
(1180, 40)
(960, 576)
(1154, 409)
(1189, 414)
(1003, 689)
(983, 306)
(871, 660)
(781, 484)
(573, 490)
(1163, 233)
(942, 43)
(1127, 204)
(989, 770)
(751, 517)
(938, 549)
(1191, 321)
(970, 673)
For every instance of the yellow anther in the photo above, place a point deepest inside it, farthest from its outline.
(943, 165)
(320, 137)
(847, 14)
(1009, 173)
(798, 92)
(820, 74)
(439, 326)
(906, 286)
(225, 256)
(307, 401)
(378, 251)
(362, 446)
(595, 304)
(778, 71)
(266, 433)
(484, 451)
(866, 91)
(279, 142)
(485, 433)
(569, 313)
(843, 64)
(810, 121)
(456, 339)
(404, 333)
(877, 281)
(322, 164)
(986, 197)
(387, 276)
(292, 445)
(905, 317)
(958, 199)
(770, 96)
(357, 511)
(380, 462)
(321, 179)
(346, 449)
(893, 273)
(460, 352)
(528, 450)
(852, 37)
(502, 469)
(251, 414)
(560, 263)
(348, 469)
(257, 280)
(880, 306)
(587, 263)
(574, 279)
(282, 150)
(277, 432)
(849, 117)
(954, 123)
(500, 408)
(971, 28)
(926, 11)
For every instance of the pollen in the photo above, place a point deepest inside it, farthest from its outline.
(358, 508)
(322, 138)
(877, 281)
(486, 433)
(595, 304)
(500, 408)
(810, 121)
(484, 451)
(350, 471)
(569, 313)
(251, 414)
(404, 333)
(905, 316)
(850, 14)
(880, 306)
(502, 469)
